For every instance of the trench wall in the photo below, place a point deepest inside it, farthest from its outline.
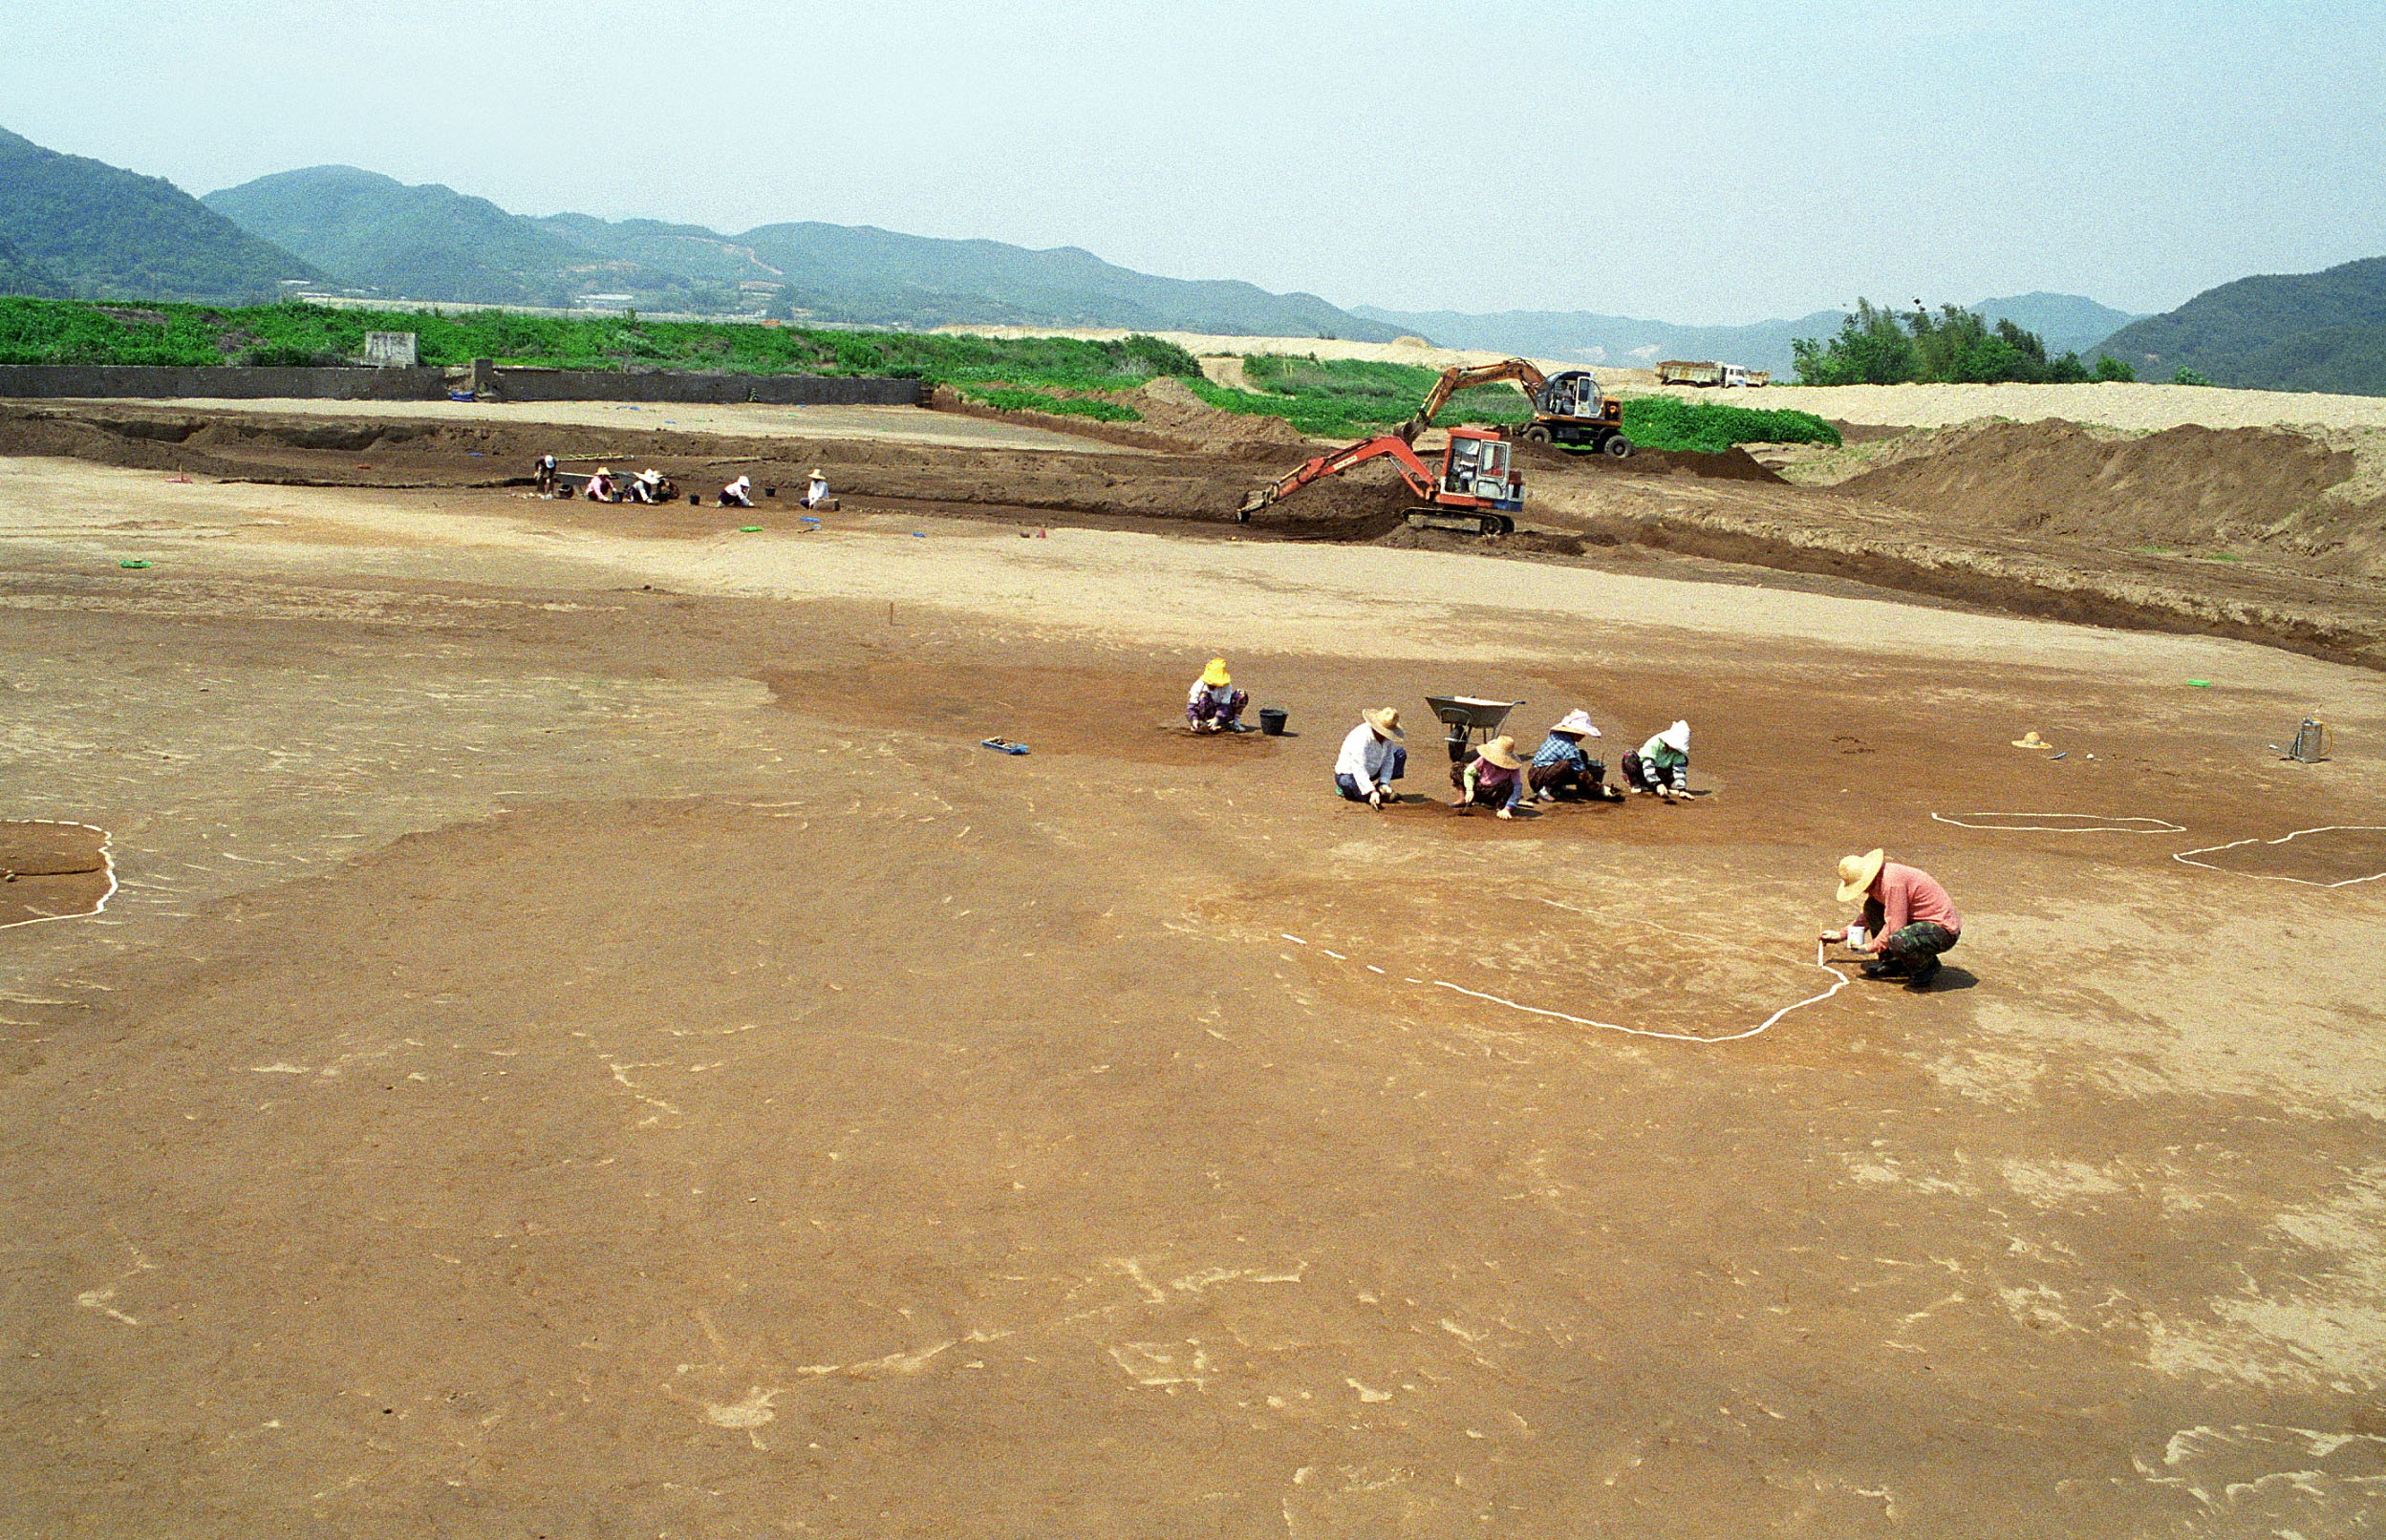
(234, 382)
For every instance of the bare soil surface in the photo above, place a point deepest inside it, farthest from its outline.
(588, 1044)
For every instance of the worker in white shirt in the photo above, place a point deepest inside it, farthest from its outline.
(737, 494)
(817, 493)
(1370, 761)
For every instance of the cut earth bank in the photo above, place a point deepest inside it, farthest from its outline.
(587, 1043)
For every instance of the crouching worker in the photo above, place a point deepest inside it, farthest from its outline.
(1493, 777)
(647, 486)
(737, 494)
(1907, 921)
(816, 493)
(600, 488)
(1660, 768)
(1214, 705)
(543, 472)
(1561, 767)
(1370, 761)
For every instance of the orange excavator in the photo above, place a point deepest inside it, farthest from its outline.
(1567, 406)
(1470, 490)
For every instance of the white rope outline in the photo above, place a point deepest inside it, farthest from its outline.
(1957, 821)
(107, 864)
(2275, 877)
(1839, 982)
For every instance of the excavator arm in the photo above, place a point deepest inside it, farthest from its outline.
(1412, 470)
(1461, 377)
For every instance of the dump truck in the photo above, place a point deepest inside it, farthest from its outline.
(1707, 372)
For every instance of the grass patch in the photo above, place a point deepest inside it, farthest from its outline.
(1701, 427)
(1012, 399)
(69, 331)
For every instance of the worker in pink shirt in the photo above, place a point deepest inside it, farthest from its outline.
(1907, 921)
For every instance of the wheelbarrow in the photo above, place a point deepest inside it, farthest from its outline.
(1471, 721)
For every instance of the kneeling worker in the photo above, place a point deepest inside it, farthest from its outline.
(1493, 777)
(1370, 761)
(1214, 705)
(1909, 919)
(737, 494)
(1561, 767)
(1662, 766)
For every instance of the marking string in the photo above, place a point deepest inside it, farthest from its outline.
(107, 864)
(2278, 877)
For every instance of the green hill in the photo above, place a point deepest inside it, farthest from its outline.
(427, 243)
(102, 231)
(2066, 323)
(431, 242)
(2298, 332)
(21, 274)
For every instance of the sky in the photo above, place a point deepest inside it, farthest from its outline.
(1715, 164)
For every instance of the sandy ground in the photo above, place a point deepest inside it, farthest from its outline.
(2132, 408)
(587, 1044)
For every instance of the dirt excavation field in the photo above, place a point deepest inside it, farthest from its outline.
(542, 1020)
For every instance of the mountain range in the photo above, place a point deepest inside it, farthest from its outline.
(432, 243)
(2067, 323)
(71, 227)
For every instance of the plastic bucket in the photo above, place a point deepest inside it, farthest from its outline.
(1272, 719)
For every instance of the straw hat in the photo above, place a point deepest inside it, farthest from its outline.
(1856, 874)
(604, 470)
(2030, 740)
(1384, 719)
(1215, 674)
(650, 475)
(1502, 751)
(816, 475)
(1676, 737)
(1578, 723)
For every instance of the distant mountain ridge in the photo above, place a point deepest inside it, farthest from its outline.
(2068, 323)
(431, 242)
(82, 226)
(2291, 331)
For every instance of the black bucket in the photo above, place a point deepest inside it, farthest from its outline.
(1272, 719)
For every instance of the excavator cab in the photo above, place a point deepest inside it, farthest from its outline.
(1476, 465)
(1572, 393)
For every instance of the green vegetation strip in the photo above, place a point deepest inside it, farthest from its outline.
(1011, 399)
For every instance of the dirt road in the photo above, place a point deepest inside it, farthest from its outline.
(587, 1043)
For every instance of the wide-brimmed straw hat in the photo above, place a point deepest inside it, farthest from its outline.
(1856, 874)
(650, 474)
(604, 470)
(1384, 719)
(1215, 674)
(816, 472)
(2030, 740)
(1676, 737)
(1502, 751)
(1577, 723)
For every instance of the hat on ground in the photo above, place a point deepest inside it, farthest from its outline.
(1577, 723)
(1676, 737)
(1502, 751)
(1856, 874)
(1384, 719)
(1215, 674)
(2030, 740)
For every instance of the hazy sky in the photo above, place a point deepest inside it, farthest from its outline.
(1688, 162)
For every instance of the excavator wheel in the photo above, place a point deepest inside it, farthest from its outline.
(1538, 434)
(1617, 445)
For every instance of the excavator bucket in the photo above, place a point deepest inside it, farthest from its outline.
(1255, 501)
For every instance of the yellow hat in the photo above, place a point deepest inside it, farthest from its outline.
(1502, 751)
(1215, 674)
(1856, 874)
(2030, 740)
(1384, 719)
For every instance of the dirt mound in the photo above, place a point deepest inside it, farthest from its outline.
(1734, 464)
(1169, 406)
(2183, 486)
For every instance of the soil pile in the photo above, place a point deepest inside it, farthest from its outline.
(1734, 464)
(1169, 406)
(2185, 486)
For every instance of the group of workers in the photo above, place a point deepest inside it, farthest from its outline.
(1906, 921)
(651, 486)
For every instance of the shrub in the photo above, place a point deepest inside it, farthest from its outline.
(2188, 376)
(1883, 347)
(1709, 428)
(2109, 368)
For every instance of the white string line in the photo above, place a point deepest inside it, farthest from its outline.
(2274, 877)
(107, 864)
(2104, 824)
(1839, 982)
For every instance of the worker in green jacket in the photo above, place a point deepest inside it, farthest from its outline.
(1660, 768)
